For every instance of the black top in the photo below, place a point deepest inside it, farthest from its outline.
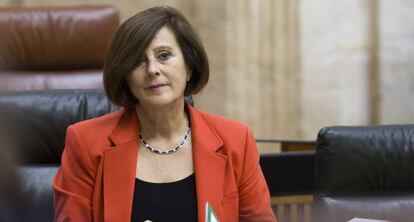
(159, 202)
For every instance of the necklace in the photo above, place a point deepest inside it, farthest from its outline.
(175, 149)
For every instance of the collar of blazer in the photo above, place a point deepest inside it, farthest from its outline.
(119, 165)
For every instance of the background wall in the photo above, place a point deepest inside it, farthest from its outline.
(289, 67)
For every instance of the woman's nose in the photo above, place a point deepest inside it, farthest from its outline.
(153, 67)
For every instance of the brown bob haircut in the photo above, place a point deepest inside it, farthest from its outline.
(133, 37)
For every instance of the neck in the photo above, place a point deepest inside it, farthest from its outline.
(162, 121)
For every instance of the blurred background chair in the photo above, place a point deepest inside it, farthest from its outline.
(54, 47)
(35, 123)
(365, 172)
(44, 48)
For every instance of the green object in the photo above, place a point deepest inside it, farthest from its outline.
(210, 214)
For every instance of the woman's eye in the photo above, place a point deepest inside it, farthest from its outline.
(164, 56)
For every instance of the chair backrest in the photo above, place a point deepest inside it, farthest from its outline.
(35, 122)
(54, 47)
(38, 119)
(365, 171)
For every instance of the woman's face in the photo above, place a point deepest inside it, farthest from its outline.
(161, 74)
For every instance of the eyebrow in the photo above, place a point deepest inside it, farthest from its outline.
(163, 47)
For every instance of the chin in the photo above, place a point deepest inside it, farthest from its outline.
(162, 101)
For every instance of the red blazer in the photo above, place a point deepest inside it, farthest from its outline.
(96, 179)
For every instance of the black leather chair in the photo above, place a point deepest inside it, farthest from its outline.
(35, 123)
(365, 172)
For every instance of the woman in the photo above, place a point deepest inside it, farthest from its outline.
(158, 158)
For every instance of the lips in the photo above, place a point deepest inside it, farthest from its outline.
(156, 86)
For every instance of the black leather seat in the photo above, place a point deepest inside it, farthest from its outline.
(35, 122)
(40, 118)
(365, 172)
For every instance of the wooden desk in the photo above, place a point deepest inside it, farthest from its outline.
(291, 145)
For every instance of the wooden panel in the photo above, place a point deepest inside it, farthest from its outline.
(295, 208)
(298, 146)
(275, 200)
(294, 212)
(280, 212)
(259, 80)
(307, 212)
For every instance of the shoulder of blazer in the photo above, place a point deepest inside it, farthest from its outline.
(238, 142)
(235, 135)
(104, 121)
(224, 126)
(97, 130)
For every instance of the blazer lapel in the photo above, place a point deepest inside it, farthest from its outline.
(209, 165)
(119, 169)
